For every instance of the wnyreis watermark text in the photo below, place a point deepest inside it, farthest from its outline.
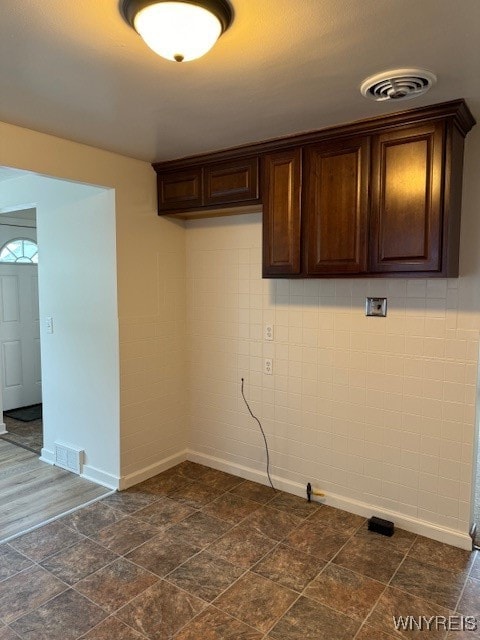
(435, 623)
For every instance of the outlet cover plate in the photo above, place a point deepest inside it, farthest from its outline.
(268, 366)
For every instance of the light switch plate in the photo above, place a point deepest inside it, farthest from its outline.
(376, 307)
(49, 324)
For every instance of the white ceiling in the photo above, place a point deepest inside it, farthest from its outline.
(77, 70)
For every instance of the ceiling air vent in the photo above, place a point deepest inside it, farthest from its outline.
(399, 84)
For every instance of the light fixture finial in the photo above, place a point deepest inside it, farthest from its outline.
(178, 30)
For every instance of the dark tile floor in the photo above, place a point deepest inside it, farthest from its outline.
(197, 554)
(28, 435)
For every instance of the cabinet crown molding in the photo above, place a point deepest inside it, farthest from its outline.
(455, 109)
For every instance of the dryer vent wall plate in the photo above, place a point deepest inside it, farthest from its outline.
(398, 84)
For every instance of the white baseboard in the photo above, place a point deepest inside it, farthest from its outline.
(47, 456)
(152, 470)
(100, 477)
(89, 473)
(3, 428)
(415, 525)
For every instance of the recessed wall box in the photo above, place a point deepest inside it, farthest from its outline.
(376, 307)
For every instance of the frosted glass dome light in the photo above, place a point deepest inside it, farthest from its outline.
(180, 30)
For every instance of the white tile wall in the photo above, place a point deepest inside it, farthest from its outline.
(380, 410)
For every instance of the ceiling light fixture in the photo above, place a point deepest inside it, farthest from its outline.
(181, 30)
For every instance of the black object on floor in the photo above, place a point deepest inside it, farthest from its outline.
(26, 414)
(385, 527)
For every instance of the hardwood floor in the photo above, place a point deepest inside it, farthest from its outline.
(32, 492)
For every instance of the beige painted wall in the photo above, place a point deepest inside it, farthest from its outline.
(151, 292)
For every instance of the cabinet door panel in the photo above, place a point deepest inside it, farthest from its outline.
(407, 200)
(336, 202)
(282, 213)
(231, 182)
(180, 189)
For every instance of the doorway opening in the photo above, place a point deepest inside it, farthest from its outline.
(19, 330)
(71, 319)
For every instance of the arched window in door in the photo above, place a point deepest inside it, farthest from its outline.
(20, 250)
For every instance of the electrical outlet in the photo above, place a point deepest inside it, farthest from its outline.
(268, 366)
(269, 332)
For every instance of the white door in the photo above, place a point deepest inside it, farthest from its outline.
(19, 332)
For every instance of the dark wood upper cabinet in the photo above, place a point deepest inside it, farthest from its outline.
(407, 197)
(336, 207)
(376, 197)
(180, 189)
(231, 182)
(282, 213)
(207, 187)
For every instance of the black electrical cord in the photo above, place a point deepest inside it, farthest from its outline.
(264, 437)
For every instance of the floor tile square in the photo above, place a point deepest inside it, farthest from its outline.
(370, 633)
(25, 591)
(220, 480)
(45, 541)
(317, 540)
(337, 519)
(162, 554)
(194, 494)
(289, 567)
(8, 634)
(199, 529)
(213, 624)
(345, 591)
(231, 508)
(465, 634)
(191, 470)
(395, 603)
(162, 485)
(77, 562)
(475, 571)
(93, 518)
(125, 535)
(129, 501)
(309, 620)
(254, 491)
(272, 523)
(256, 601)
(164, 513)
(295, 505)
(112, 629)
(441, 555)
(205, 576)
(362, 557)
(242, 546)
(11, 561)
(401, 541)
(161, 611)
(66, 617)
(429, 582)
(469, 605)
(116, 584)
